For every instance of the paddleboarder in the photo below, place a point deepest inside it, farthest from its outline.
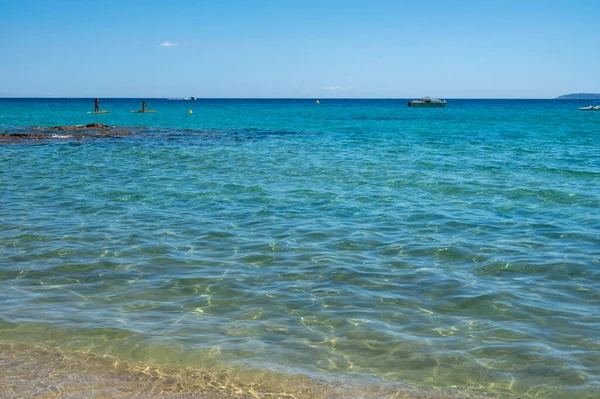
(96, 107)
(143, 106)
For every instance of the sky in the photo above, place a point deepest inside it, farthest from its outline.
(299, 49)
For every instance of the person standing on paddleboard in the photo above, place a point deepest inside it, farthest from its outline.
(143, 106)
(96, 107)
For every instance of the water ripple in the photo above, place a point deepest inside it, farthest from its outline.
(429, 252)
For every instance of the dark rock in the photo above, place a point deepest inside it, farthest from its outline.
(80, 127)
(9, 136)
(80, 132)
(95, 125)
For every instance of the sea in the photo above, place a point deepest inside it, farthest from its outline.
(280, 248)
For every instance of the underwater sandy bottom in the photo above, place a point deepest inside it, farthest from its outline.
(36, 372)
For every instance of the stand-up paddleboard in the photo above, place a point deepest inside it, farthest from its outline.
(144, 112)
(99, 112)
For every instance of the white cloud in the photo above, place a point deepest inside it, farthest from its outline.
(167, 44)
(337, 88)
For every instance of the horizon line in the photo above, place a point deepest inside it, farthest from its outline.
(290, 98)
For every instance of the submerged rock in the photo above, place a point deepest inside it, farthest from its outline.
(80, 127)
(22, 136)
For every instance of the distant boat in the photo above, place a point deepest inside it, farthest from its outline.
(590, 108)
(428, 102)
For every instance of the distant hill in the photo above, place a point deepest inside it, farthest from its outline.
(580, 96)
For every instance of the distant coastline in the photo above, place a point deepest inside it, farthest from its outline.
(579, 96)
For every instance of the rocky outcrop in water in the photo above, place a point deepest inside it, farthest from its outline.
(70, 132)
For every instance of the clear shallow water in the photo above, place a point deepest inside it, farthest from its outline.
(356, 240)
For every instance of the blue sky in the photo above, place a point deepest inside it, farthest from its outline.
(299, 49)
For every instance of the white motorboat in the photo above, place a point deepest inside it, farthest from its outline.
(428, 102)
(590, 108)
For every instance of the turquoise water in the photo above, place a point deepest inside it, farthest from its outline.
(355, 241)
